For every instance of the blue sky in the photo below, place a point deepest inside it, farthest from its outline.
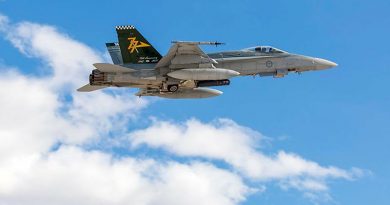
(337, 117)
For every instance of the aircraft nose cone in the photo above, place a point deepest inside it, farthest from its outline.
(323, 64)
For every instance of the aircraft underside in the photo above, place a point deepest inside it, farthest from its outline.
(159, 86)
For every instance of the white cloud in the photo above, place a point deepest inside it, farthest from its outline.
(31, 174)
(238, 146)
(74, 176)
(27, 108)
(3, 22)
(38, 113)
(69, 61)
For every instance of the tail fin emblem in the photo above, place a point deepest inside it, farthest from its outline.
(134, 44)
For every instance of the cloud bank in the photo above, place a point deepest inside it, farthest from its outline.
(46, 127)
(238, 146)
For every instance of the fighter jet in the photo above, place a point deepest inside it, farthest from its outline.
(186, 71)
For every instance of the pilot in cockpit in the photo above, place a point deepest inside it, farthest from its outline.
(265, 50)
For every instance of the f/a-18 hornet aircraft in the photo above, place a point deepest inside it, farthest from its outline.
(186, 71)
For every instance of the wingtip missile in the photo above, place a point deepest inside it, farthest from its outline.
(216, 43)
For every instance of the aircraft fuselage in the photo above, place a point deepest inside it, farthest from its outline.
(245, 63)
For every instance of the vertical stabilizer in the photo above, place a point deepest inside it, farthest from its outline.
(134, 47)
(115, 53)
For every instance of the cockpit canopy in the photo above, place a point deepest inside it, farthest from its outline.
(264, 49)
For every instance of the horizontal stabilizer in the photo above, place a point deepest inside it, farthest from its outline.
(106, 67)
(90, 88)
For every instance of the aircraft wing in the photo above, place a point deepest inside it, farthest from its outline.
(183, 52)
